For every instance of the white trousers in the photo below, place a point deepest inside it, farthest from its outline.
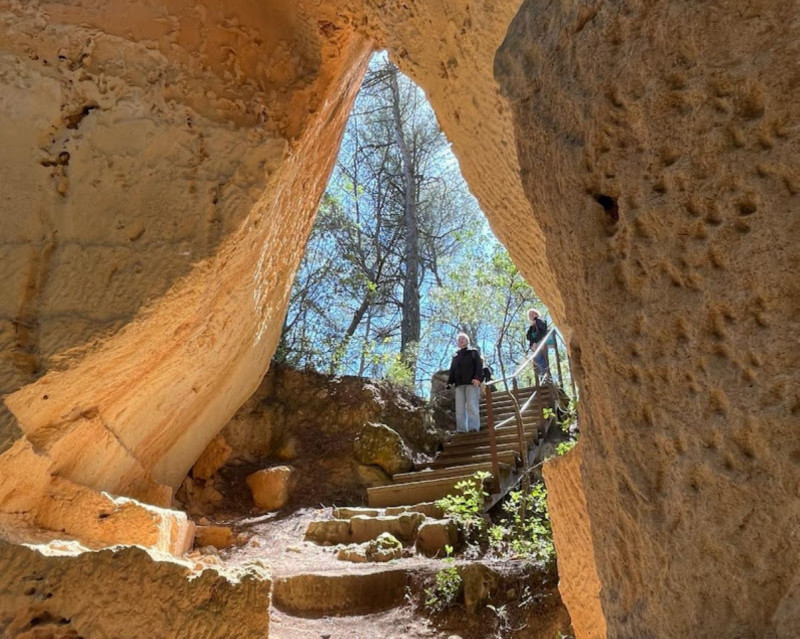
(468, 417)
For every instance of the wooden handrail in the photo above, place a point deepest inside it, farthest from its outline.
(492, 439)
(528, 361)
(513, 394)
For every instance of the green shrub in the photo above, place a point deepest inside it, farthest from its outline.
(564, 447)
(524, 531)
(466, 506)
(446, 587)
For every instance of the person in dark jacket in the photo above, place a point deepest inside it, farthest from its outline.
(466, 371)
(536, 333)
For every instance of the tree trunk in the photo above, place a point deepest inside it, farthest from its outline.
(411, 324)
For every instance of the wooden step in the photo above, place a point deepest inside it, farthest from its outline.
(501, 437)
(522, 393)
(483, 435)
(413, 492)
(540, 403)
(508, 457)
(536, 407)
(478, 448)
(511, 418)
(450, 471)
(528, 422)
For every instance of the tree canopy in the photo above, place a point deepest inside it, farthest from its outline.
(400, 258)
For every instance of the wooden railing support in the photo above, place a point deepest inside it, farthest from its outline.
(492, 439)
(558, 364)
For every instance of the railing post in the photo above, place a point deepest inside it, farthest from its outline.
(492, 439)
(558, 363)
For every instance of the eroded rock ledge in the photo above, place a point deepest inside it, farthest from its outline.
(61, 592)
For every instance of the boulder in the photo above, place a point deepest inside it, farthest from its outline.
(220, 537)
(370, 476)
(480, 582)
(271, 487)
(363, 528)
(214, 457)
(379, 445)
(385, 548)
(433, 536)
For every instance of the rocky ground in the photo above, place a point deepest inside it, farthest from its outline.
(315, 594)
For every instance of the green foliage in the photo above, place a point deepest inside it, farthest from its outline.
(564, 447)
(446, 587)
(466, 506)
(400, 373)
(524, 531)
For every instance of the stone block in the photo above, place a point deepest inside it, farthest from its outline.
(329, 531)
(220, 537)
(214, 457)
(433, 536)
(379, 445)
(271, 487)
(347, 513)
(480, 582)
(404, 526)
(385, 548)
(429, 509)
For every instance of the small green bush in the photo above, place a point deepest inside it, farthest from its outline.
(466, 506)
(524, 531)
(564, 447)
(447, 585)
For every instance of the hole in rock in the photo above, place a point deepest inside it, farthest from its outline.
(610, 207)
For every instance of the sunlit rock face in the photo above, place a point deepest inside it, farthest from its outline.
(658, 145)
(166, 163)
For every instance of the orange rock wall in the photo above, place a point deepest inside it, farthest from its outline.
(140, 406)
(572, 533)
(658, 146)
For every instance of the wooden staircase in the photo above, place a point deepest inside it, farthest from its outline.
(465, 454)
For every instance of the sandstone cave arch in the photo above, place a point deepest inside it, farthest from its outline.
(695, 141)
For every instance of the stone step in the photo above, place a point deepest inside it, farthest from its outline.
(413, 492)
(340, 593)
(361, 528)
(429, 509)
(452, 471)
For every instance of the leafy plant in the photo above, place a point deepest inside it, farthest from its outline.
(466, 506)
(525, 531)
(399, 372)
(446, 587)
(564, 447)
